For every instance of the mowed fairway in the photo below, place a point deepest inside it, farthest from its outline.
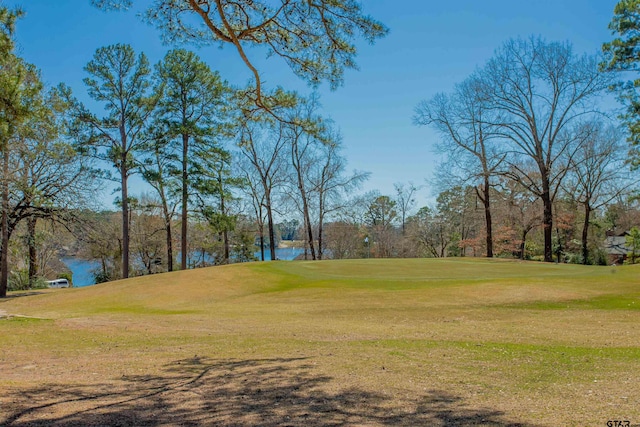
(451, 342)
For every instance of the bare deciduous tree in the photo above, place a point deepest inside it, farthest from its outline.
(463, 119)
(598, 174)
(331, 184)
(263, 151)
(539, 93)
(303, 147)
(405, 200)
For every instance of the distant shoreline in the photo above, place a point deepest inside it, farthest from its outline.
(285, 244)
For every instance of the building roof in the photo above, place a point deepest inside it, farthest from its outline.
(616, 245)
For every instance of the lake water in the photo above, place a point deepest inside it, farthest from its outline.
(283, 254)
(82, 269)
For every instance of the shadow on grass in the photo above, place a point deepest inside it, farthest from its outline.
(19, 294)
(195, 392)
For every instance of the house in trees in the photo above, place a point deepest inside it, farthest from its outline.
(616, 247)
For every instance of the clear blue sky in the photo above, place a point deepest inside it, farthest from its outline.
(431, 46)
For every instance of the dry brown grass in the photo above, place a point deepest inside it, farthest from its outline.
(368, 342)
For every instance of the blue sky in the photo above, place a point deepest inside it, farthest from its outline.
(432, 45)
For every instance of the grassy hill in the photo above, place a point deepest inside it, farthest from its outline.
(358, 342)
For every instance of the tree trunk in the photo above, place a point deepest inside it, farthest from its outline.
(124, 176)
(309, 230)
(296, 158)
(185, 200)
(33, 255)
(167, 227)
(547, 221)
(225, 231)
(585, 233)
(103, 262)
(169, 246)
(306, 248)
(267, 205)
(523, 244)
(320, 227)
(125, 219)
(225, 239)
(486, 201)
(4, 225)
(272, 237)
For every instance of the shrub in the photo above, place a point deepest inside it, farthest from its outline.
(19, 281)
(598, 257)
(101, 276)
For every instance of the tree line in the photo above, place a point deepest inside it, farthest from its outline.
(527, 149)
(530, 117)
(175, 124)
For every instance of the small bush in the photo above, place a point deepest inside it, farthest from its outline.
(598, 257)
(101, 276)
(19, 281)
(573, 257)
(39, 283)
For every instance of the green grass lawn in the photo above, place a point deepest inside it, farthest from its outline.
(358, 342)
